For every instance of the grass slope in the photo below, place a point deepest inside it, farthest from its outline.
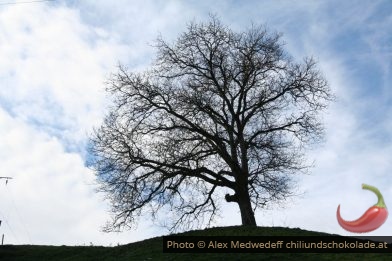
(151, 249)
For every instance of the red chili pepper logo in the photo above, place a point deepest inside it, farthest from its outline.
(372, 219)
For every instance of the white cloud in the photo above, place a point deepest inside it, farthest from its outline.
(356, 150)
(52, 72)
(51, 198)
(54, 69)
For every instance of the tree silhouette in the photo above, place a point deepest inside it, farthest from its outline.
(219, 114)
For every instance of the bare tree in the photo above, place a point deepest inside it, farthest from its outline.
(218, 112)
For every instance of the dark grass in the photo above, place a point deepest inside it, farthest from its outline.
(151, 249)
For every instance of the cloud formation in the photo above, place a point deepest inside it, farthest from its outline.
(52, 73)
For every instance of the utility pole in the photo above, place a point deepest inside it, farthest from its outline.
(6, 182)
(6, 179)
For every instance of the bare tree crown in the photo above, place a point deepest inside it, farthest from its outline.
(218, 111)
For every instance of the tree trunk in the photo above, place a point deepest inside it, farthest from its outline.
(242, 198)
(247, 214)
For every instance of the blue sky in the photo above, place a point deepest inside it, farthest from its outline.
(56, 57)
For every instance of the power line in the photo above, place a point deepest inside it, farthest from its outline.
(17, 213)
(9, 228)
(19, 216)
(1, 215)
(6, 179)
(26, 2)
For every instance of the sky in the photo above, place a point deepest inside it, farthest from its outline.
(56, 56)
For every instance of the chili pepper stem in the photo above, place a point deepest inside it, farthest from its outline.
(380, 203)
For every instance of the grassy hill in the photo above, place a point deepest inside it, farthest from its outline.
(151, 249)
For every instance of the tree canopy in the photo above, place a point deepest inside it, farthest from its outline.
(219, 115)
